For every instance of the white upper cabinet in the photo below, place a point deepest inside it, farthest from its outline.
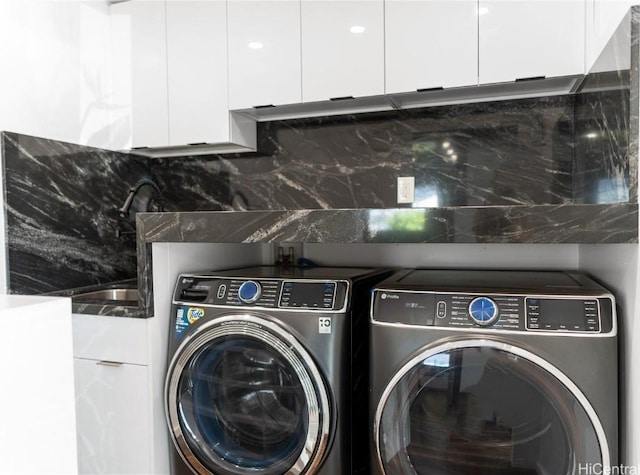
(264, 53)
(55, 82)
(171, 61)
(430, 44)
(603, 18)
(342, 49)
(197, 72)
(140, 74)
(527, 38)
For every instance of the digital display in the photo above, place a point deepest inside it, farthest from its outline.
(308, 294)
(562, 314)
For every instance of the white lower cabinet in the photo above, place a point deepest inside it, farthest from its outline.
(113, 417)
(113, 396)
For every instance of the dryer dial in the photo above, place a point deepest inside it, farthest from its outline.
(249, 291)
(483, 311)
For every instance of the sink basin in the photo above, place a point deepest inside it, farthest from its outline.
(120, 295)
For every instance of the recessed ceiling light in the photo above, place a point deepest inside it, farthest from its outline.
(450, 151)
(357, 29)
(446, 144)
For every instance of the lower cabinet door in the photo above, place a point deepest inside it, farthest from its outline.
(112, 404)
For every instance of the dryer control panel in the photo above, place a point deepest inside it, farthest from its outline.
(290, 294)
(548, 313)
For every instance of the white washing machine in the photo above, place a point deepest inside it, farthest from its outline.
(493, 372)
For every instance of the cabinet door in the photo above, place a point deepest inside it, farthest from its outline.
(264, 53)
(42, 80)
(112, 407)
(603, 18)
(197, 72)
(528, 38)
(100, 337)
(140, 73)
(342, 49)
(430, 44)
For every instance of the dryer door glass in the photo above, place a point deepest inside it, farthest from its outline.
(484, 410)
(244, 405)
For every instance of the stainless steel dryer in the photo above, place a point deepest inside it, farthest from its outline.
(493, 372)
(264, 364)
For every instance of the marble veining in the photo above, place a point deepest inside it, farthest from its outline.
(61, 203)
(504, 153)
(510, 224)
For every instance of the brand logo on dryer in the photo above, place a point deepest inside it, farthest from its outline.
(386, 295)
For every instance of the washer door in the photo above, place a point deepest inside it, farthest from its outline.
(242, 396)
(485, 407)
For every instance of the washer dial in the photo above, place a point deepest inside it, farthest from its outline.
(249, 291)
(483, 311)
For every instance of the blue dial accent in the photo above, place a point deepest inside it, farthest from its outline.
(249, 291)
(483, 311)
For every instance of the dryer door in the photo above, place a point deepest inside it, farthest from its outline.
(242, 395)
(485, 407)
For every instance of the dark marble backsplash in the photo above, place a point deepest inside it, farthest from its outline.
(61, 205)
(520, 152)
(61, 200)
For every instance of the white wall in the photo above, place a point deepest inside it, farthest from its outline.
(521, 256)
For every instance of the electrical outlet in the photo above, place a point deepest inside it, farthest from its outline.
(406, 189)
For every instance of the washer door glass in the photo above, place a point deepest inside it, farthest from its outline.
(242, 404)
(483, 410)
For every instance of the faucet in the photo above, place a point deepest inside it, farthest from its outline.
(144, 204)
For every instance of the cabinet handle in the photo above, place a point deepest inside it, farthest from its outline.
(345, 98)
(264, 106)
(427, 89)
(114, 364)
(532, 78)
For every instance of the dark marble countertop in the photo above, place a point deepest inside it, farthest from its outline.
(577, 224)
(104, 306)
(590, 223)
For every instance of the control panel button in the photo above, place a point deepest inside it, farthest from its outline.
(222, 290)
(249, 291)
(441, 309)
(483, 311)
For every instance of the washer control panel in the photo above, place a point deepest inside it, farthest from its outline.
(532, 313)
(320, 295)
